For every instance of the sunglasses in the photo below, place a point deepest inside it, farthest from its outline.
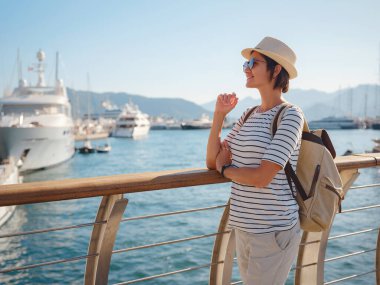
(249, 64)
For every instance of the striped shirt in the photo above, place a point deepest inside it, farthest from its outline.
(272, 208)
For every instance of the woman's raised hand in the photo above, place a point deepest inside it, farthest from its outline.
(225, 103)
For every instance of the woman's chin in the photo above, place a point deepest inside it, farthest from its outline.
(250, 83)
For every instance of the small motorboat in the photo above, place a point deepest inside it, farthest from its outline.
(103, 148)
(348, 152)
(86, 148)
(376, 148)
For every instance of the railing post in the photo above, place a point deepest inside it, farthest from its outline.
(224, 250)
(313, 245)
(103, 237)
(378, 259)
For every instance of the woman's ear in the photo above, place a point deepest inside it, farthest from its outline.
(277, 71)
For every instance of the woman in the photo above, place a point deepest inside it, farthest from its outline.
(263, 212)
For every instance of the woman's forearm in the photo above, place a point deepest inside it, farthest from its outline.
(246, 175)
(259, 177)
(213, 145)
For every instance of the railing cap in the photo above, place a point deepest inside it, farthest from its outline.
(47, 191)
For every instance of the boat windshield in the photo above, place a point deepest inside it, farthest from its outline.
(33, 110)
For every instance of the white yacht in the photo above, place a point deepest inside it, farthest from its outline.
(334, 123)
(131, 123)
(203, 123)
(36, 127)
(9, 174)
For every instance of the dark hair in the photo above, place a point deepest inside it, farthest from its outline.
(282, 79)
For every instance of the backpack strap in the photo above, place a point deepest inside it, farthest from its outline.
(249, 113)
(277, 119)
(290, 173)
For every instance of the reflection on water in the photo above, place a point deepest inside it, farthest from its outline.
(13, 250)
(163, 150)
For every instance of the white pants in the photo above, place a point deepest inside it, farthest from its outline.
(266, 259)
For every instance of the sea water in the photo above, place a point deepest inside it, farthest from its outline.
(165, 150)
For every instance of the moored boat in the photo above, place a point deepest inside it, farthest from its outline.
(103, 148)
(86, 148)
(202, 123)
(131, 123)
(36, 126)
(376, 148)
(334, 123)
(376, 123)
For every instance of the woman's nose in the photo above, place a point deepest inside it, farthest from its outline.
(247, 71)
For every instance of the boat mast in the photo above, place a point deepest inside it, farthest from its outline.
(365, 103)
(350, 100)
(19, 65)
(377, 95)
(88, 97)
(56, 66)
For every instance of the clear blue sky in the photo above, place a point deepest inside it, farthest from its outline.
(189, 49)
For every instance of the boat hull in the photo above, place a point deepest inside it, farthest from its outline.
(193, 127)
(11, 176)
(37, 147)
(131, 132)
(86, 150)
(376, 126)
(332, 125)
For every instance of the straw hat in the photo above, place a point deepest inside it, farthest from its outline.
(276, 50)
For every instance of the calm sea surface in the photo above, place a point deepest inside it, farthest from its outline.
(164, 150)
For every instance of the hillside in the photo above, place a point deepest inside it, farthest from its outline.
(318, 104)
(177, 107)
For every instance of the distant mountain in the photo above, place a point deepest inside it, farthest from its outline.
(359, 101)
(243, 105)
(177, 108)
(315, 104)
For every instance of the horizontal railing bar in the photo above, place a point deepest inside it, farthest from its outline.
(364, 186)
(173, 213)
(168, 242)
(336, 258)
(349, 277)
(152, 216)
(237, 282)
(48, 263)
(342, 235)
(349, 255)
(353, 233)
(360, 209)
(103, 222)
(52, 229)
(168, 273)
(48, 191)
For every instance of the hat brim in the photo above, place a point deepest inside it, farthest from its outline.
(246, 53)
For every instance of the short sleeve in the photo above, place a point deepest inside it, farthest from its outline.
(236, 127)
(287, 137)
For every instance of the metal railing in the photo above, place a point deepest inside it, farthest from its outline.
(311, 259)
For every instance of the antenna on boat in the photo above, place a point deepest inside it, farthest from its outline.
(40, 69)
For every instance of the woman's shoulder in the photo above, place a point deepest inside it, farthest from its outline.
(294, 109)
